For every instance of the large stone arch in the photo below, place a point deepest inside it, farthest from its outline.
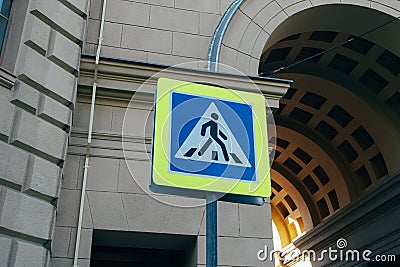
(250, 30)
(257, 29)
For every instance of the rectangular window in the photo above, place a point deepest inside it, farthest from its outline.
(5, 6)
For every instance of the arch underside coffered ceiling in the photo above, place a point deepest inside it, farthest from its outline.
(338, 126)
(257, 24)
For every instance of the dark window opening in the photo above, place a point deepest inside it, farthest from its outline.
(123, 249)
(103, 256)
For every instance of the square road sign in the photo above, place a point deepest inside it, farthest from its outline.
(210, 138)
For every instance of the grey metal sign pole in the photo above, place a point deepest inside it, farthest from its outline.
(211, 230)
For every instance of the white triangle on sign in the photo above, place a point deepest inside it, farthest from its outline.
(210, 150)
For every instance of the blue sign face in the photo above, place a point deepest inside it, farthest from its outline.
(211, 137)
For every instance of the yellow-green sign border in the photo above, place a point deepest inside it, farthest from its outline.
(161, 136)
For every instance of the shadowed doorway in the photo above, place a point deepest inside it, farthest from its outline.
(118, 249)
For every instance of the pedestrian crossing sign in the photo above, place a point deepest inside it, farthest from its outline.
(210, 138)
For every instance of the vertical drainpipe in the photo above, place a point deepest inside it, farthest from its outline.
(89, 139)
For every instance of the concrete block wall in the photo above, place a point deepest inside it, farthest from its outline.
(166, 32)
(37, 96)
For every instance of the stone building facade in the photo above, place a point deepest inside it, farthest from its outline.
(336, 169)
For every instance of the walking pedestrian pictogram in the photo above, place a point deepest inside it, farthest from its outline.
(214, 133)
(212, 140)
